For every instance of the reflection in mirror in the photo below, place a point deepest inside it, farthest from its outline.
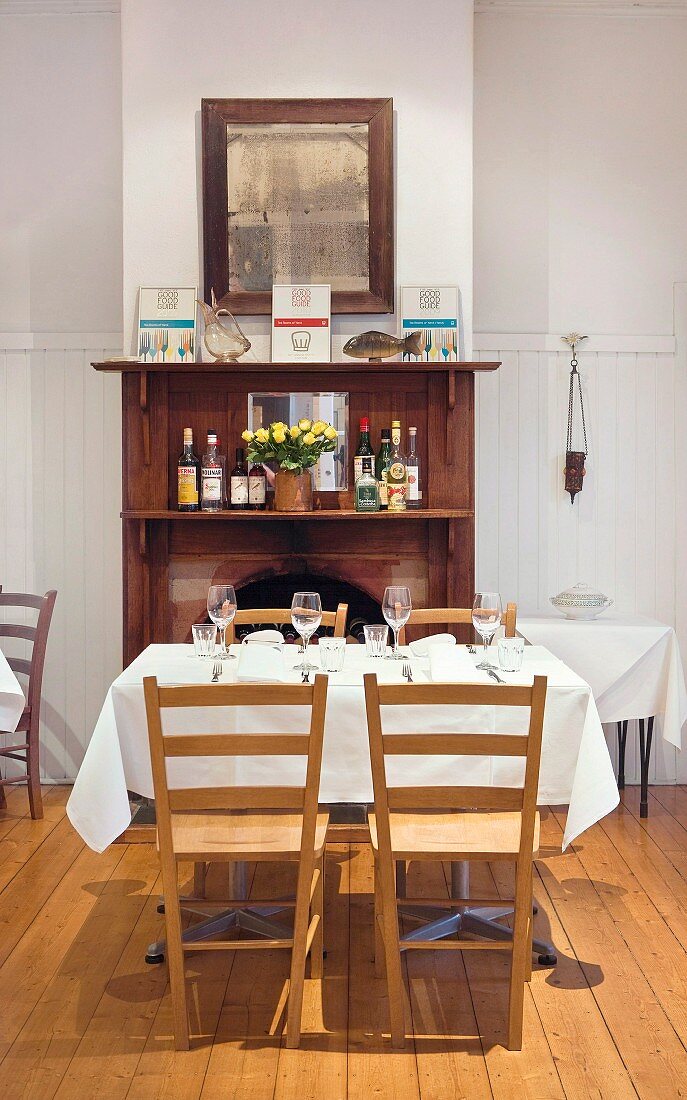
(330, 473)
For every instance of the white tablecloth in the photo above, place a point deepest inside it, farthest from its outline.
(632, 665)
(12, 701)
(575, 768)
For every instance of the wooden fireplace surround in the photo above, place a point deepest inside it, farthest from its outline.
(431, 548)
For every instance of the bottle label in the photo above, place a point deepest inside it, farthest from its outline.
(239, 489)
(396, 437)
(413, 482)
(187, 489)
(383, 491)
(256, 489)
(212, 482)
(397, 497)
(397, 472)
(357, 467)
(366, 499)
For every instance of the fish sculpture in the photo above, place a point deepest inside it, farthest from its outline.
(381, 345)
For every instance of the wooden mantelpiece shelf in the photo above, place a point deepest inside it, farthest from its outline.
(170, 557)
(319, 514)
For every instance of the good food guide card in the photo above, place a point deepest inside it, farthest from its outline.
(434, 311)
(167, 324)
(301, 323)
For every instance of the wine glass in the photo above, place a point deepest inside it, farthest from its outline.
(221, 609)
(486, 619)
(396, 608)
(306, 616)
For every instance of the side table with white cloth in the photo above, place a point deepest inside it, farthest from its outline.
(575, 766)
(12, 700)
(633, 667)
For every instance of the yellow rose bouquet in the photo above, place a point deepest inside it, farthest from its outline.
(295, 448)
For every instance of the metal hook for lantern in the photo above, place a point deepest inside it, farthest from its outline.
(574, 460)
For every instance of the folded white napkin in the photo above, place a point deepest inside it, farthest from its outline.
(264, 637)
(422, 646)
(454, 665)
(261, 663)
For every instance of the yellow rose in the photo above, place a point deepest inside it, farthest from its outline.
(247, 435)
(309, 438)
(295, 431)
(330, 433)
(278, 426)
(319, 426)
(262, 435)
(304, 425)
(279, 436)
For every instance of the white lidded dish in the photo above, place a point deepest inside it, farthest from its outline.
(581, 602)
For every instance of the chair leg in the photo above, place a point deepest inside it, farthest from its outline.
(34, 777)
(3, 797)
(300, 935)
(317, 948)
(521, 946)
(528, 960)
(392, 953)
(378, 920)
(175, 963)
(200, 871)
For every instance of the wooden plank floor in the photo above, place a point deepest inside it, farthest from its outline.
(82, 1016)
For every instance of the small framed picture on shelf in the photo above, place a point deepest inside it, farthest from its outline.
(166, 330)
(434, 311)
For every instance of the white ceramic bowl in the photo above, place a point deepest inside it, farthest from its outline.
(581, 602)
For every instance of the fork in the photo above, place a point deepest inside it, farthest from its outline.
(444, 345)
(216, 671)
(164, 343)
(145, 345)
(428, 342)
(494, 675)
(407, 672)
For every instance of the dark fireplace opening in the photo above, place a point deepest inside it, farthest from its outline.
(278, 591)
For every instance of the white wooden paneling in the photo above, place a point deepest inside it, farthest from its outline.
(59, 523)
(626, 531)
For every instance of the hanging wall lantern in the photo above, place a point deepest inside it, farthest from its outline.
(574, 460)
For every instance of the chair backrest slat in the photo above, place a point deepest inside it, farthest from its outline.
(236, 798)
(236, 695)
(20, 664)
(474, 695)
(258, 616)
(449, 616)
(8, 630)
(455, 798)
(241, 744)
(22, 599)
(454, 744)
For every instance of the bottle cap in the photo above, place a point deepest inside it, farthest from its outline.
(412, 431)
(367, 463)
(364, 424)
(386, 433)
(239, 454)
(395, 423)
(188, 435)
(212, 436)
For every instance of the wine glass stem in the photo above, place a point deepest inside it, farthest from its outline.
(395, 648)
(306, 639)
(223, 650)
(485, 640)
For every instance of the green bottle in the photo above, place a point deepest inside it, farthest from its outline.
(381, 466)
(366, 492)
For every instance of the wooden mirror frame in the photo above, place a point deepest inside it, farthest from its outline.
(378, 114)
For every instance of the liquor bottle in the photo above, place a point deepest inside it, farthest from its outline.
(366, 491)
(356, 630)
(364, 448)
(188, 476)
(238, 481)
(397, 474)
(414, 498)
(381, 466)
(211, 477)
(257, 487)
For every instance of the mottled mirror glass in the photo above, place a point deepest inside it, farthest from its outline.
(298, 205)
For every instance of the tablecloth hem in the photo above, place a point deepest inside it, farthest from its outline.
(84, 832)
(586, 824)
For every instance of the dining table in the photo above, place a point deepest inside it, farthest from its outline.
(12, 699)
(576, 768)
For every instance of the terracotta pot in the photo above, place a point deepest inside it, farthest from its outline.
(292, 491)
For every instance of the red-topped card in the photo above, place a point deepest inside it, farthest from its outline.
(301, 323)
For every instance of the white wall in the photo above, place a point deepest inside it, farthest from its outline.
(581, 225)
(60, 308)
(264, 48)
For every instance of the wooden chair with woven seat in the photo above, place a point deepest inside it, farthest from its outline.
(29, 723)
(423, 823)
(454, 616)
(241, 823)
(259, 615)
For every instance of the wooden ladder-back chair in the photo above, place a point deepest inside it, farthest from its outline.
(277, 823)
(451, 616)
(281, 615)
(422, 823)
(29, 724)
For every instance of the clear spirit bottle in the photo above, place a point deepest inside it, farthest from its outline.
(211, 477)
(366, 491)
(414, 498)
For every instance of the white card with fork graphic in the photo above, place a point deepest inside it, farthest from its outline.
(166, 330)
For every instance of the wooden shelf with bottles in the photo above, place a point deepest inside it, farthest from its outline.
(169, 557)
